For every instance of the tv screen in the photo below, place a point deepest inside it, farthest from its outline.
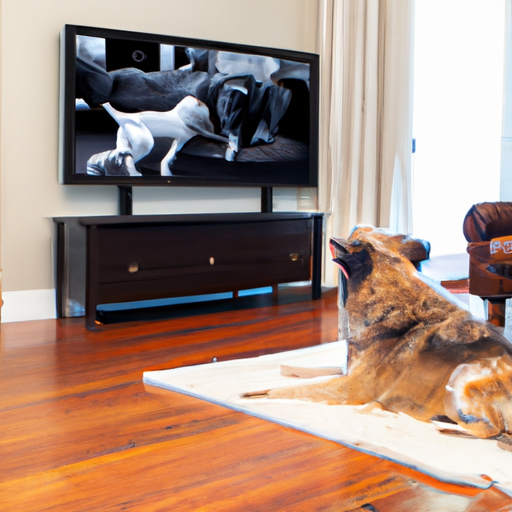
(147, 109)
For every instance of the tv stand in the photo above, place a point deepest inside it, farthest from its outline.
(125, 258)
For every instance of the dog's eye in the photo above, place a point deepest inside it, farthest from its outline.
(358, 247)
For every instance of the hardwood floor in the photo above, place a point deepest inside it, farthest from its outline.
(79, 431)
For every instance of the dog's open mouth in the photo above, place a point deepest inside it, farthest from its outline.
(343, 266)
(337, 249)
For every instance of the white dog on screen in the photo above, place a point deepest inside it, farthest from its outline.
(137, 131)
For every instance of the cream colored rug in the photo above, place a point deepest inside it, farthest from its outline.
(393, 436)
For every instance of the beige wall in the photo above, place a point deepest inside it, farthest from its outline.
(29, 31)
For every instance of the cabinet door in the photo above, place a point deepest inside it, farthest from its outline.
(136, 263)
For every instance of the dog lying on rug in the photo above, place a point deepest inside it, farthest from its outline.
(411, 349)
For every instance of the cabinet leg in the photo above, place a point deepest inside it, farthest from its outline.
(496, 311)
(316, 270)
(90, 320)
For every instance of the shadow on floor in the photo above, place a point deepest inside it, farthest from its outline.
(286, 295)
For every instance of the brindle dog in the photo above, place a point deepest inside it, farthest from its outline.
(411, 349)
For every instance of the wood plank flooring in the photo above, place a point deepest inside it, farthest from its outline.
(79, 431)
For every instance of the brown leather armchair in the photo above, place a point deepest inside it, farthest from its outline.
(490, 264)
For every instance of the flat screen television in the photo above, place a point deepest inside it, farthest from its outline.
(148, 109)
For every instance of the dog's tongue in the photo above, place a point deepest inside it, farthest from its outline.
(343, 267)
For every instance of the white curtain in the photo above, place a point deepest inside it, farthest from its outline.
(366, 115)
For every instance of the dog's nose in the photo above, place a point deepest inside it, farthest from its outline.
(337, 244)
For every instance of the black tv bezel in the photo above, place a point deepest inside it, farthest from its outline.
(67, 148)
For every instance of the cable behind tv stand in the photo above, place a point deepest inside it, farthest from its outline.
(125, 258)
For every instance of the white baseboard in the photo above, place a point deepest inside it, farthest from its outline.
(41, 304)
(28, 305)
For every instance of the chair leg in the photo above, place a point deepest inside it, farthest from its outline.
(496, 311)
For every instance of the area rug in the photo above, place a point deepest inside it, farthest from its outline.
(398, 437)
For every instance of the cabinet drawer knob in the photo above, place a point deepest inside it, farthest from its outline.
(212, 261)
(294, 256)
(133, 267)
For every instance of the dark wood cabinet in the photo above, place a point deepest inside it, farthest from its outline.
(103, 260)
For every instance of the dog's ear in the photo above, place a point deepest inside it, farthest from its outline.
(413, 249)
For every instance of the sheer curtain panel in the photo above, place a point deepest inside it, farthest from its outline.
(366, 115)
